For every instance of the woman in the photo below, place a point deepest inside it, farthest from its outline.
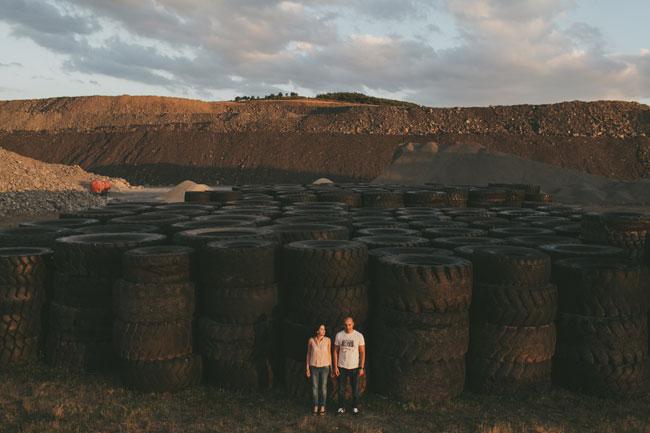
(319, 363)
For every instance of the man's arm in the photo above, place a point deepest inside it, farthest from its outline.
(336, 359)
(362, 360)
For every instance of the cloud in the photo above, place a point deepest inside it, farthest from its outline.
(506, 51)
(11, 65)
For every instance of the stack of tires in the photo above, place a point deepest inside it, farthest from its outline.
(154, 306)
(23, 276)
(239, 294)
(325, 281)
(80, 332)
(423, 321)
(626, 230)
(513, 332)
(602, 327)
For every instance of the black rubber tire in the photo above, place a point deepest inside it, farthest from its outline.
(18, 350)
(373, 242)
(424, 284)
(117, 228)
(490, 376)
(198, 238)
(153, 302)
(508, 232)
(327, 263)
(387, 231)
(197, 196)
(162, 376)
(75, 353)
(315, 219)
(193, 225)
(538, 241)
(514, 305)
(82, 292)
(429, 344)
(242, 306)
(601, 287)
(382, 199)
(84, 323)
(512, 344)
(24, 266)
(158, 264)
(152, 341)
(490, 223)
(164, 220)
(422, 224)
(304, 232)
(603, 341)
(506, 265)
(430, 199)
(455, 242)
(626, 381)
(240, 263)
(566, 251)
(448, 232)
(224, 196)
(99, 255)
(244, 375)
(233, 342)
(352, 199)
(103, 215)
(42, 237)
(419, 381)
(67, 223)
(252, 220)
(328, 305)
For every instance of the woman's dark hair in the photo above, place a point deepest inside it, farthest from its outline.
(317, 327)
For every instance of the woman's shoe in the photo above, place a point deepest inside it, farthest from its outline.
(322, 411)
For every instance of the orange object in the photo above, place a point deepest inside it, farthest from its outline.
(100, 186)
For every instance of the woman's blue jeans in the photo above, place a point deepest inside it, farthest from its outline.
(319, 384)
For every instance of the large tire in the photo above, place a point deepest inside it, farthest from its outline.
(419, 381)
(507, 232)
(103, 215)
(386, 241)
(304, 232)
(76, 353)
(564, 251)
(90, 323)
(198, 238)
(153, 302)
(382, 199)
(537, 241)
(506, 265)
(162, 376)
(448, 232)
(425, 284)
(240, 263)
(491, 376)
(352, 199)
(243, 306)
(99, 255)
(42, 237)
(430, 199)
(18, 350)
(429, 344)
(82, 292)
(327, 263)
(159, 264)
(117, 228)
(233, 342)
(601, 287)
(21, 266)
(603, 341)
(455, 242)
(624, 381)
(153, 341)
(328, 305)
(241, 375)
(65, 223)
(515, 306)
(512, 344)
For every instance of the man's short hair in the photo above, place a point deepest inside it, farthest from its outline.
(348, 318)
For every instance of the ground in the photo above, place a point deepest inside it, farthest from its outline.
(37, 399)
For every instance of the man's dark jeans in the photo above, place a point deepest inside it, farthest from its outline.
(353, 374)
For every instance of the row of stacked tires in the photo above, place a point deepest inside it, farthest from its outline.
(270, 262)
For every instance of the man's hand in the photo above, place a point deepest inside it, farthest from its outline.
(362, 372)
(337, 373)
(308, 373)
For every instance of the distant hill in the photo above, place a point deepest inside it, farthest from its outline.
(360, 98)
(160, 140)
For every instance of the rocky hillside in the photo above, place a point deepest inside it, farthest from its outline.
(164, 140)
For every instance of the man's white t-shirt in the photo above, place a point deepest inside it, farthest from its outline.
(349, 348)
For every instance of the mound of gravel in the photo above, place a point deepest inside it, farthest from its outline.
(46, 202)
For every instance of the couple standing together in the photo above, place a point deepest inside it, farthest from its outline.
(349, 362)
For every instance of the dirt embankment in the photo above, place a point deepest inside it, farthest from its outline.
(165, 140)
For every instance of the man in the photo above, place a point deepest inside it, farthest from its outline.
(349, 362)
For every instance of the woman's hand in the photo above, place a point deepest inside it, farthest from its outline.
(308, 373)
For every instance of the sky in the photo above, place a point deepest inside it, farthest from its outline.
(432, 52)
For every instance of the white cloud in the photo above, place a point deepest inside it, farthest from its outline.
(507, 51)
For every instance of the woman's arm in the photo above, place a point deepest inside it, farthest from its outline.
(307, 362)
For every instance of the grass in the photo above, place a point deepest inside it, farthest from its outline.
(360, 98)
(37, 399)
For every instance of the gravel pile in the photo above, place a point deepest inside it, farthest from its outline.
(46, 202)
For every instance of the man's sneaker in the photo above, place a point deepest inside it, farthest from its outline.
(355, 411)
(340, 411)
